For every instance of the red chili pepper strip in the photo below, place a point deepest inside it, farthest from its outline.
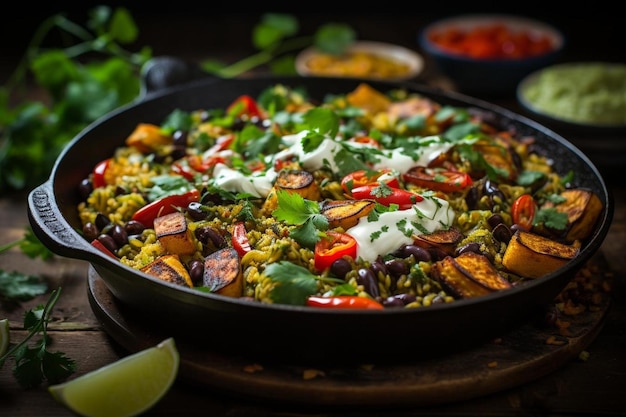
(437, 179)
(523, 211)
(386, 195)
(163, 206)
(98, 245)
(184, 170)
(333, 246)
(98, 179)
(240, 239)
(344, 301)
(364, 177)
(223, 142)
(244, 105)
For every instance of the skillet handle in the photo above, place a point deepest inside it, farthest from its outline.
(163, 72)
(52, 230)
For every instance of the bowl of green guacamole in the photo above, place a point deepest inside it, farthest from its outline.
(579, 95)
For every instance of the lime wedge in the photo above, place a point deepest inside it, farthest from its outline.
(5, 337)
(124, 388)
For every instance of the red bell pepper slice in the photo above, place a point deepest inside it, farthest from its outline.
(344, 301)
(333, 246)
(98, 245)
(385, 195)
(366, 177)
(244, 105)
(163, 206)
(438, 179)
(240, 239)
(98, 178)
(523, 211)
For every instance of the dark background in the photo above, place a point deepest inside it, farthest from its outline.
(185, 29)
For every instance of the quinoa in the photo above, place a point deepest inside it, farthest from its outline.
(231, 176)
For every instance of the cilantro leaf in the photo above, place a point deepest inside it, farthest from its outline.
(551, 218)
(293, 209)
(15, 286)
(34, 363)
(320, 123)
(334, 38)
(295, 283)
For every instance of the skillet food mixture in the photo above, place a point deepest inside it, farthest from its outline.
(368, 199)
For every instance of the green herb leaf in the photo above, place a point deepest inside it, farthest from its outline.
(334, 38)
(273, 28)
(295, 283)
(35, 363)
(15, 286)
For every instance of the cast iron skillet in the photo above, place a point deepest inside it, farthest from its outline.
(281, 332)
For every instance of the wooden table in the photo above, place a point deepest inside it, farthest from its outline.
(590, 387)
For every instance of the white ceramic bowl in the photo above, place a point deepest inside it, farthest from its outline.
(312, 62)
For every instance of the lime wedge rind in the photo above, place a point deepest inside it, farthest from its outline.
(5, 336)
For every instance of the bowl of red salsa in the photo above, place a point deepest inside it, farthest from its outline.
(489, 54)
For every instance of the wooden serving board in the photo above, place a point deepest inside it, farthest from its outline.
(518, 357)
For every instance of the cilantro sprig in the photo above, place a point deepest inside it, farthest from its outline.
(36, 363)
(74, 91)
(295, 210)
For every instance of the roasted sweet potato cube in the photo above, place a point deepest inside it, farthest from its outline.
(169, 268)
(455, 281)
(533, 256)
(174, 235)
(223, 274)
(444, 241)
(345, 213)
(582, 207)
(293, 181)
(368, 98)
(481, 270)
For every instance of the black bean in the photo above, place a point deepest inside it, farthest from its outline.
(397, 267)
(133, 227)
(368, 280)
(472, 197)
(194, 209)
(196, 271)
(108, 242)
(378, 267)
(516, 227)
(392, 302)
(468, 247)
(178, 152)
(102, 221)
(406, 298)
(494, 220)
(85, 188)
(180, 138)
(420, 254)
(118, 233)
(90, 231)
(437, 254)
(340, 268)
(502, 233)
(208, 235)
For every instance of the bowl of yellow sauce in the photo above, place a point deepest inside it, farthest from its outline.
(363, 59)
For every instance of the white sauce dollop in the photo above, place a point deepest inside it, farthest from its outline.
(396, 228)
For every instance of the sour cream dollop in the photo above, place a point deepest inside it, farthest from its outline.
(396, 228)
